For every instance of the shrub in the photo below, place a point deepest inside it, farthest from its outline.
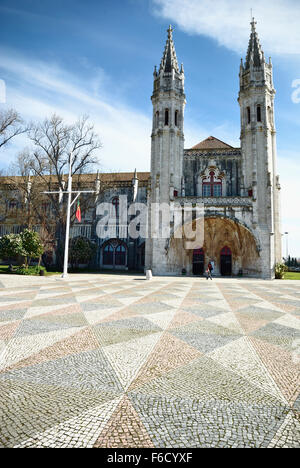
(81, 251)
(32, 245)
(11, 246)
(280, 269)
(29, 270)
(27, 245)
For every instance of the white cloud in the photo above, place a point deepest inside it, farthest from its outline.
(296, 93)
(46, 88)
(227, 21)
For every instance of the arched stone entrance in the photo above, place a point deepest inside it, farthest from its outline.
(219, 232)
(231, 246)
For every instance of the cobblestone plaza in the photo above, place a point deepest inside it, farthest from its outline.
(117, 361)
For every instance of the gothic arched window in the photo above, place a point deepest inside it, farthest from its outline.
(120, 255)
(212, 186)
(108, 255)
(226, 251)
(115, 203)
(248, 115)
(114, 253)
(166, 116)
(157, 119)
(176, 118)
(258, 110)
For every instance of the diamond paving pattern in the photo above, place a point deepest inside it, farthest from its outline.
(118, 361)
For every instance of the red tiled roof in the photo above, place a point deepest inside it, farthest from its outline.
(211, 143)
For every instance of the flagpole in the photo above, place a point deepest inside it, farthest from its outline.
(66, 256)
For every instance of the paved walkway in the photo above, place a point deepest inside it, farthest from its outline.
(117, 361)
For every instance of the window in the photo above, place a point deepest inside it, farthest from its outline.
(176, 118)
(157, 119)
(12, 206)
(217, 190)
(212, 187)
(120, 255)
(206, 190)
(45, 207)
(114, 253)
(167, 117)
(115, 202)
(226, 251)
(258, 113)
(108, 255)
(248, 115)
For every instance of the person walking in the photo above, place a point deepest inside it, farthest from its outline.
(209, 271)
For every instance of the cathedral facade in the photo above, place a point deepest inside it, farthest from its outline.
(238, 187)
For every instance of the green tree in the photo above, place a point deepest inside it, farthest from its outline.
(81, 251)
(11, 246)
(31, 245)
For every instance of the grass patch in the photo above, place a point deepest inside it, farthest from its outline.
(31, 271)
(292, 275)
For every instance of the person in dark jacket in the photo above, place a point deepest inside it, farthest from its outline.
(209, 271)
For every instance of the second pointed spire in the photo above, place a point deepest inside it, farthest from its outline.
(169, 59)
(255, 53)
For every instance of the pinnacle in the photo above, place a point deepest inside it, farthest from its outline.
(255, 55)
(169, 59)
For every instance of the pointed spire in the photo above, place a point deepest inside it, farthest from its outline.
(255, 54)
(169, 59)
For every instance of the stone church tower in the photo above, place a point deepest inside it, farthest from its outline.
(238, 187)
(167, 145)
(258, 147)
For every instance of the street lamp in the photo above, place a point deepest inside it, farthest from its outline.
(70, 203)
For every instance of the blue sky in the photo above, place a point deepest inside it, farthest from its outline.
(94, 57)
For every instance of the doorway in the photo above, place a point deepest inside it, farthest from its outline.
(226, 261)
(198, 262)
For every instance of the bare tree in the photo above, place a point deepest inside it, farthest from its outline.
(44, 168)
(11, 125)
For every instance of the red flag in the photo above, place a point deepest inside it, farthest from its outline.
(78, 212)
